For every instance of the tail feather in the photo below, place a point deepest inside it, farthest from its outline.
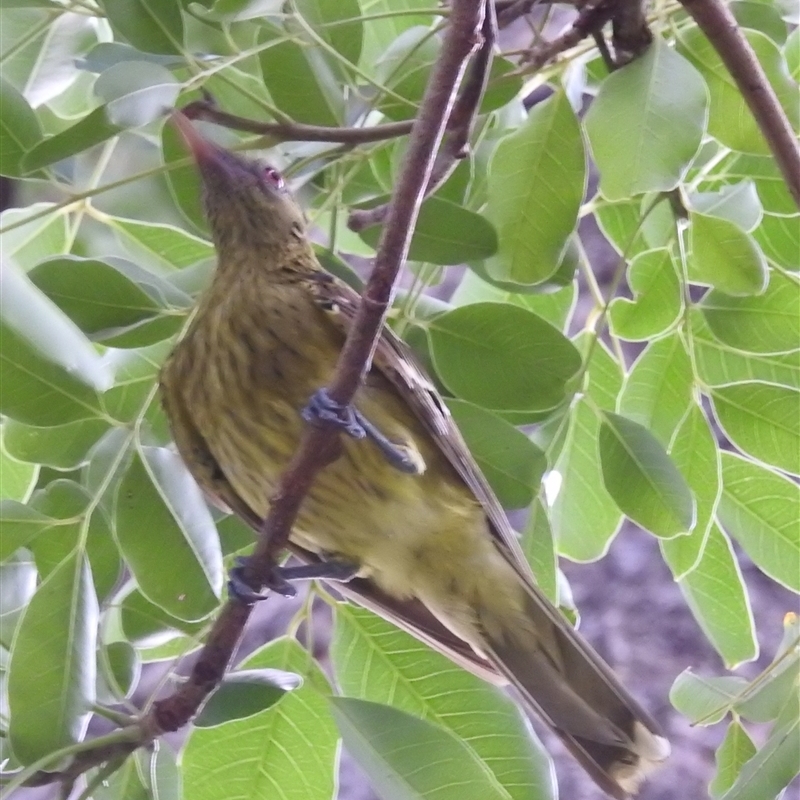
(564, 681)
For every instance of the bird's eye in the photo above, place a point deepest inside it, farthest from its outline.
(273, 177)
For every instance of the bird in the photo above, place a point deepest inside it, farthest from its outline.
(403, 520)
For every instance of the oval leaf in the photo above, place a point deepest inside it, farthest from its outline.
(642, 479)
(25, 309)
(51, 676)
(658, 103)
(511, 462)
(722, 255)
(536, 183)
(406, 757)
(445, 233)
(763, 420)
(759, 508)
(167, 535)
(502, 357)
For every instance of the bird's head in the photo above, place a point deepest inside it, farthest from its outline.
(247, 202)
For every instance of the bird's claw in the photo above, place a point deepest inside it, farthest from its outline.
(321, 407)
(279, 581)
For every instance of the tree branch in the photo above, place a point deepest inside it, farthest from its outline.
(590, 20)
(717, 22)
(295, 131)
(459, 126)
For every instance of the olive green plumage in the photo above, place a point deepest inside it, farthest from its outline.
(434, 550)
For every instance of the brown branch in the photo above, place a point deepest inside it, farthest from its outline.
(631, 34)
(295, 131)
(590, 20)
(508, 12)
(459, 126)
(717, 22)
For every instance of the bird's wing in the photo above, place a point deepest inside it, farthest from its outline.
(396, 361)
(409, 614)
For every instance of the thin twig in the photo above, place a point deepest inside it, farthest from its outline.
(631, 34)
(717, 22)
(296, 131)
(590, 20)
(508, 12)
(459, 127)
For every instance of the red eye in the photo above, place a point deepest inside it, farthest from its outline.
(273, 177)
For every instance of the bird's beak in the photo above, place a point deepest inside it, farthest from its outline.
(202, 150)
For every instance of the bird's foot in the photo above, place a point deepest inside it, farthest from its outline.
(281, 577)
(322, 408)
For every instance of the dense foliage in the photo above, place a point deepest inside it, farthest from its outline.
(110, 558)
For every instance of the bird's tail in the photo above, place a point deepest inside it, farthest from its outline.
(567, 683)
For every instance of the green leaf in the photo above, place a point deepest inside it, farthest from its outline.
(658, 388)
(760, 16)
(89, 131)
(502, 357)
(51, 675)
(766, 323)
(406, 757)
(19, 130)
(536, 183)
(62, 446)
(736, 748)
(718, 363)
(326, 18)
(730, 120)
(167, 536)
(21, 523)
(696, 455)
(244, 693)
(301, 82)
(642, 479)
(165, 246)
(136, 92)
(657, 303)
(379, 34)
(94, 294)
(583, 515)
(659, 101)
(540, 550)
(288, 750)
(55, 338)
(763, 420)
(759, 508)
(18, 478)
(445, 233)
(405, 68)
(376, 661)
(553, 307)
(121, 668)
(776, 764)
(146, 625)
(706, 701)
(738, 203)
(37, 391)
(722, 255)
(155, 26)
(717, 597)
(32, 241)
(778, 236)
(511, 462)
